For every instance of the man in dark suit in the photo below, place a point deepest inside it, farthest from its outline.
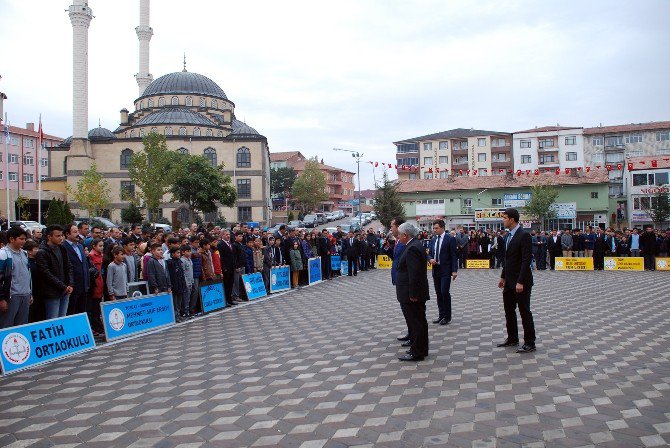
(80, 266)
(412, 291)
(554, 248)
(350, 249)
(227, 255)
(444, 259)
(516, 281)
(323, 249)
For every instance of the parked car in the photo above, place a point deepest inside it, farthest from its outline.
(27, 225)
(296, 223)
(321, 218)
(310, 221)
(331, 230)
(329, 217)
(164, 227)
(373, 216)
(106, 223)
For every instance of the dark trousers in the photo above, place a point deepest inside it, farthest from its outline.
(542, 259)
(442, 285)
(95, 314)
(552, 260)
(462, 257)
(649, 260)
(325, 267)
(500, 259)
(353, 265)
(512, 299)
(372, 258)
(599, 262)
(228, 280)
(418, 327)
(404, 307)
(77, 303)
(364, 262)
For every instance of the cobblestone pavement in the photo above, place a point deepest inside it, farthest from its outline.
(317, 367)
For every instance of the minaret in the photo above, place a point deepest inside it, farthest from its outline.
(80, 16)
(144, 33)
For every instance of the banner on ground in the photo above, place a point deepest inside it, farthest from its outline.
(344, 269)
(574, 263)
(662, 264)
(213, 296)
(314, 270)
(624, 264)
(335, 262)
(280, 279)
(478, 264)
(384, 262)
(30, 345)
(254, 285)
(124, 318)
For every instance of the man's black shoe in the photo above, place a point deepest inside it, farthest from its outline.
(411, 357)
(444, 321)
(356, 274)
(438, 320)
(406, 344)
(349, 275)
(526, 348)
(508, 343)
(403, 338)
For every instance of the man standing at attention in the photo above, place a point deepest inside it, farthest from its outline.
(412, 290)
(516, 281)
(444, 259)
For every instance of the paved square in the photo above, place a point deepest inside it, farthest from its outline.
(317, 368)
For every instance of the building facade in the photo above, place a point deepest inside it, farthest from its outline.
(549, 147)
(645, 178)
(455, 152)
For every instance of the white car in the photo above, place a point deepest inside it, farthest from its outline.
(164, 227)
(27, 225)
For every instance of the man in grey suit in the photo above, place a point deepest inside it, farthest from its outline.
(412, 290)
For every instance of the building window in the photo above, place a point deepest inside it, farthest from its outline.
(594, 195)
(244, 214)
(154, 129)
(427, 175)
(141, 106)
(481, 142)
(142, 132)
(498, 142)
(637, 153)
(189, 101)
(467, 202)
(546, 158)
(244, 188)
(44, 176)
(427, 160)
(196, 132)
(28, 143)
(525, 143)
(663, 136)
(202, 102)
(614, 140)
(44, 162)
(65, 165)
(571, 140)
(243, 158)
(210, 154)
(481, 157)
(28, 178)
(168, 130)
(661, 151)
(182, 150)
(614, 157)
(444, 159)
(634, 138)
(161, 102)
(150, 103)
(597, 158)
(219, 133)
(597, 140)
(428, 146)
(407, 147)
(208, 133)
(408, 161)
(13, 158)
(215, 104)
(526, 159)
(174, 101)
(444, 174)
(499, 157)
(126, 158)
(127, 191)
(570, 156)
(2, 176)
(444, 145)
(412, 176)
(13, 176)
(546, 143)
(28, 160)
(496, 201)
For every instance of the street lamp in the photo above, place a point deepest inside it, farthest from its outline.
(358, 156)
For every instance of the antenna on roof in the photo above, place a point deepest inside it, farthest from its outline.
(184, 62)
(99, 125)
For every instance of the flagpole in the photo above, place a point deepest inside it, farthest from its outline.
(39, 173)
(7, 169)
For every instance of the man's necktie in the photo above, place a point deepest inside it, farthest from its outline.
(437, 248)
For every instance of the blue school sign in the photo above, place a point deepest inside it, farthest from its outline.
(213, 297)
(345, 268)
(314, 270)
(335, 262)
(280, 279)
(123, 318)
(39, 343)
(254, 285)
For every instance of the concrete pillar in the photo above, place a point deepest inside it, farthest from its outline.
(144, 33)
(80, 16)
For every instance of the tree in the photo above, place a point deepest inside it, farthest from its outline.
(200, 185)
(281, 180)
(387, 204)
(91, 192)
(58, 213)
(309, 189)
(21, 202)
(150, 171)
(659, 208)
(132, 214)
(540, 205)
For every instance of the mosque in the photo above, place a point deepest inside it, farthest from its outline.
(190, 110)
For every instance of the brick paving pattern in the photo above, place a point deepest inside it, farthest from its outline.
(317, 368)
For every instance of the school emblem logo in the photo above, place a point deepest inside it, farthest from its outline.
(247, 286)
(274, 279)
(117, 320)
(661, 264)
(559, 264)
(610, 263)
(16, 348)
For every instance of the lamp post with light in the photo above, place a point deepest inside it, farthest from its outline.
(358, 156)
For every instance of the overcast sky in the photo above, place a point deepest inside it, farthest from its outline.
(315, 75)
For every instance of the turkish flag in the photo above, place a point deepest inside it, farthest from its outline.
(474, 173)
(537, 172)
(608, 167)
(518, 172)
(430, 170)
(654, 163)
(558, 171)
(403, 167)
(630, 166)
(588, 169)
(579, 168)
(567, 171)
(619, 166)
(376, 164)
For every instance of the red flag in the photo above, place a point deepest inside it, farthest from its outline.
(403, 167)
(396, 166)
(518, 172)
(527, 172)
(474, 172)
(642, 162)
(598, 166)
(654, 163)
(437, 169)
(510, 171)
(558, 171)
(41, 133)
(390, 166)
(467, 172)
(608, 167)
(630, 166)
(567, 171)
(376, 164)
(537, 172)
(579, 168)
(430, 170)
(460, 172)
(619, 166)
(588, 169)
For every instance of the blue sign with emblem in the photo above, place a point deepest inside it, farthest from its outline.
(335, 262)
(280, 279)
(30, 345)
(124, 318)
(345, 268)
(213, 296)
(314, 270)
(254, 285)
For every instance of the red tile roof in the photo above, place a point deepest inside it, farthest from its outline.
(548, 129)
(481, 182)
(300, 165)
(654, 125)
(645, 163)
(280, 156)
(27, 133)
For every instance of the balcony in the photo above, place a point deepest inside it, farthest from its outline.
(460, 165)
(548, 149)
(549, 164)
(499, 149)
(615, 148)
(496, 165)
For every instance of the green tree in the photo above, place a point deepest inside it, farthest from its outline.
(387, 204)
(58, 213)
(132, 214)
(540, 206)
(659, 209)
(200, 185)
(309, 189)
(150, 170)
(91, 192)
(281, 180)
(21, 203)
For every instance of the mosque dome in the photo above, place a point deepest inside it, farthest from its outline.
(174, 115)
(100, 134)
(184, 83)
(241, 128)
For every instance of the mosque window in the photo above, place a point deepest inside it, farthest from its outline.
(215, 104)
(141, 104)
(174, 101)
(208, 133)
(202, 102)
(196, 132)
(168, 130)
(182, 150)
(210, 154)
(161, 102)
(150, 103)
(182, 131)
(141, 132)
(219, 133)
(154, 129)
(132, 133)
(189, 101)
(65, 165)
(243, 158)
(126, 157)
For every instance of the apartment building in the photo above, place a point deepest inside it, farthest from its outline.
(548, 147)
(455, 152)
(646, 177)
